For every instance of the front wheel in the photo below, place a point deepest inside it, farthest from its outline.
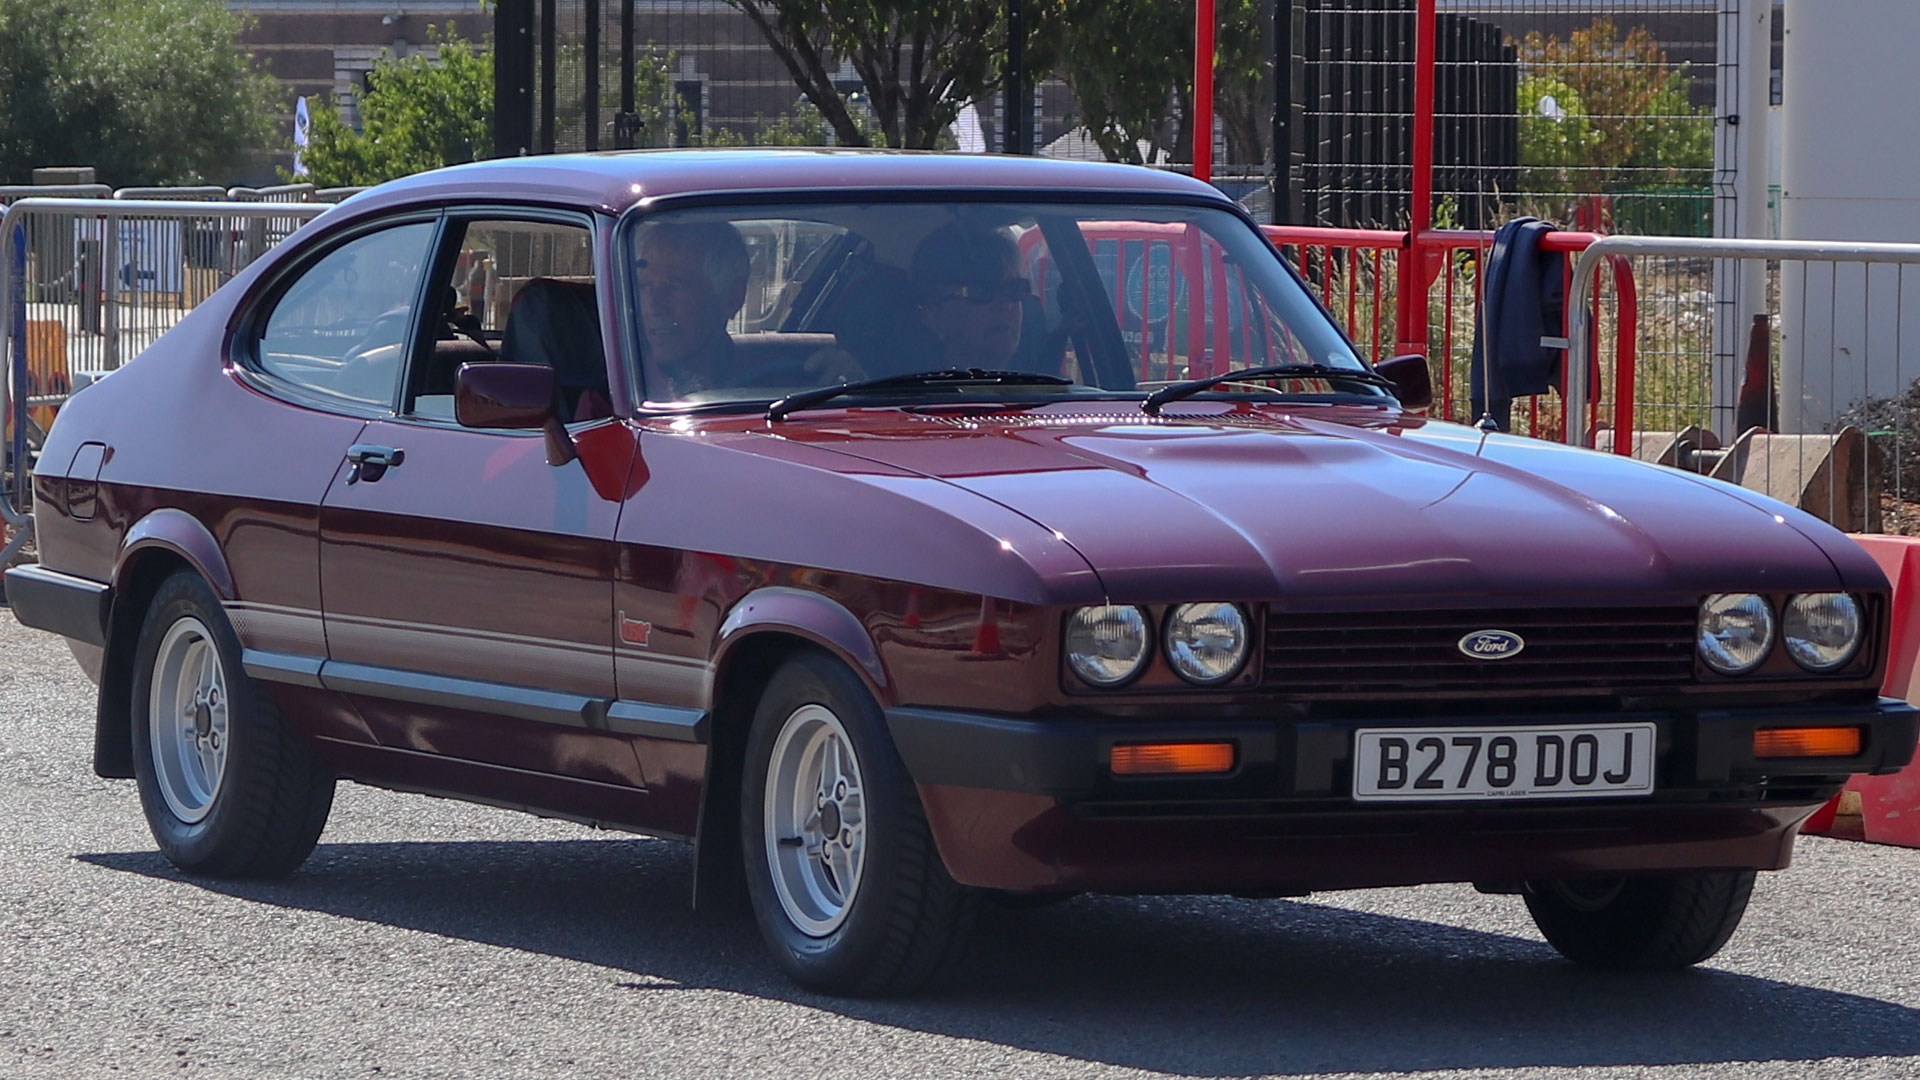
(228, 790)
(847, 888)
(1658, 923)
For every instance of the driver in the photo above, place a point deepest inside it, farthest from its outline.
(692, 278)
(967, 283)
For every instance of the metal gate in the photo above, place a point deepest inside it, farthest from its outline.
(87, 283)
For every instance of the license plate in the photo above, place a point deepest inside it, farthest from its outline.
(1458, 763)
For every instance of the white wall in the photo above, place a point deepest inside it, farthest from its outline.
(1850, 170)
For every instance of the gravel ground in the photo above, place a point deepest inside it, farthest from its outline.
(431, 939)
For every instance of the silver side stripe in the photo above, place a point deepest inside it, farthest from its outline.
(657, 721)
(621, 717)
(282, 667)
(519, 702)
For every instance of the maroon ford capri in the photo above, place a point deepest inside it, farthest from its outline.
(911, 530)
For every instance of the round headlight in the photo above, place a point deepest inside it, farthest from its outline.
(1109, 644)
(1822, 630)
(1206, 643)
(1736, 631)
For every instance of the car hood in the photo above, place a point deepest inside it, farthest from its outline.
(1334, 505)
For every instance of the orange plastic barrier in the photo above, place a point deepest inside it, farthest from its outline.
(1890, 805)
(46, 370)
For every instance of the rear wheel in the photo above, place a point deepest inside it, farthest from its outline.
(228, 790)
(846, 886)
(1642, 923)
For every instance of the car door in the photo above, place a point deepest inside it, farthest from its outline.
(322, 346)
(467, 582)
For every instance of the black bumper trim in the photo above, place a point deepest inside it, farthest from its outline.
(1059, 757)
(73, 607)
(1065, 757)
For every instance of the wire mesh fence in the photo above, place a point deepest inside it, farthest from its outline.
(1817, 409)
(1599, 116)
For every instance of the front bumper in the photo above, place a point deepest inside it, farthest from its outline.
(1029, 804)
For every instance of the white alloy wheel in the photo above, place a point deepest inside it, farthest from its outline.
(188, 719)
(815, 820)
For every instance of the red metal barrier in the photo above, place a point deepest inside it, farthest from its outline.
(1173, 289)
(1890, 805)
(1349, 269)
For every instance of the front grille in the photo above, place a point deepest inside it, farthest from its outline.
(1417, 652)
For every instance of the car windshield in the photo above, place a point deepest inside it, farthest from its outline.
(751, 304)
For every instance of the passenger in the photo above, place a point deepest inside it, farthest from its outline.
(693, 278)
(965, 310)
(967, 284)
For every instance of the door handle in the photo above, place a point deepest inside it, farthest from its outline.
(368, 462)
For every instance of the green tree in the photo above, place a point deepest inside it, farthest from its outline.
(1129, 64)
(1629, 121)
(145, 91)
(802, 126)
(1242, 70)
(920, 61)
(1124, 68)
(1556, 137)
(417, 114)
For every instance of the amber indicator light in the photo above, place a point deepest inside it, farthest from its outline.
(1806, 742)
(1151, 759)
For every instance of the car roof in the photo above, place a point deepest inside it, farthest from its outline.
(613, 181)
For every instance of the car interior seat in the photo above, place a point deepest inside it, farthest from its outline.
(556, 323)
(459, 339)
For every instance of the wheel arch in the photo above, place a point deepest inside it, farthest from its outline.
(164, 541)
(136, 579)
(763, 629)
(808, 616)
(751, 658)
(186, 538)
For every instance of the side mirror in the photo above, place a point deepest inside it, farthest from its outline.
(512, 396)
(1412, 382)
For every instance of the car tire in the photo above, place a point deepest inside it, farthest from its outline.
(869, 910)
(1659, 923)
(228, 789)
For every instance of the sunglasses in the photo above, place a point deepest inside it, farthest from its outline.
(984, 293)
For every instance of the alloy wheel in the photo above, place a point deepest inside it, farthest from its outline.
(188, 719)
(815, 824)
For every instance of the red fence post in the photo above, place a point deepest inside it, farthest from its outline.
(1414, 278)
(1203, 90)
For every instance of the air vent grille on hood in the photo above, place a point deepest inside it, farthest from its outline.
(1134, 418)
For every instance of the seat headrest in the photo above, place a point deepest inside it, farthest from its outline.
(556, 323)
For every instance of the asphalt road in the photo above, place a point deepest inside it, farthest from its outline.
(430, 939)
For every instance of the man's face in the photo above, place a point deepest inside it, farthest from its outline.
(680, 310)
(978, 322)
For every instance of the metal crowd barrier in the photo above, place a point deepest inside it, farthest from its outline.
(1799, 382)
(86, 283)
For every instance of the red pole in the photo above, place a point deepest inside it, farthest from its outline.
(1413, 262)
(1203, 90)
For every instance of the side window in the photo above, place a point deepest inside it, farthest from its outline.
(340, 331)
(519, 292)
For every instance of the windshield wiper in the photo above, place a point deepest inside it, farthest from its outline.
(1181, 390)
(807, 399)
